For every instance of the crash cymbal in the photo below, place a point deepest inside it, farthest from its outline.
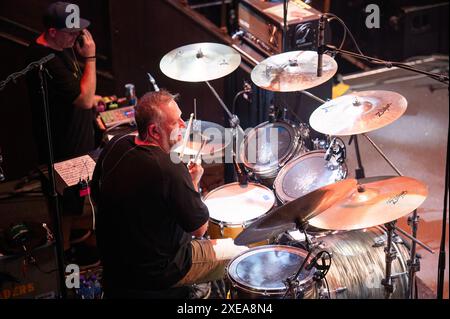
(200, 62)
(292, 71)
(296, 212)
(375, 201)
(213, 133)
(358, 112)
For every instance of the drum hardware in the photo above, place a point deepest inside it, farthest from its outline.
(336, 150)
(319, 263)
(277, 114)
(391, 255)
(293, 284)
(413, 262)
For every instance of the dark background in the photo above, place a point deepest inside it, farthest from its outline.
(132, 36)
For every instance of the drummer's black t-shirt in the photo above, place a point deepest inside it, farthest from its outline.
(147, 206)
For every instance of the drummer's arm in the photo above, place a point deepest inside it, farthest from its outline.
(198, 233)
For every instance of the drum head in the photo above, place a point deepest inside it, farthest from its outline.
(266, 268)
(236, 204)
(305, 174)
(268, 146)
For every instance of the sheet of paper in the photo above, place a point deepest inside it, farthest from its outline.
(71, 171)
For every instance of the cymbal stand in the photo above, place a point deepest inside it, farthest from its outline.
(391, 255)
(413, 263)
(413, 221)
(234, 123)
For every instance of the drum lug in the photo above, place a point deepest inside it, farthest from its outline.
(380, 242)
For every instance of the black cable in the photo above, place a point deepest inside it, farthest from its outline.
(233, 109)
(345, 28)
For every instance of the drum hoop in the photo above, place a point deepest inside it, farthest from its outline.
(242, 224)
(277, 184)
(294, 146)
(267, 291)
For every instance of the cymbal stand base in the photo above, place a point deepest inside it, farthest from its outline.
(391, 255)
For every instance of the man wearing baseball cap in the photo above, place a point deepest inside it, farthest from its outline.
(71, 93)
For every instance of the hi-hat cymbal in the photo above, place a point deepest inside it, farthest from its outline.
(375, 201)
(200, 62)
(296, 212)
(358, 113)
(293, 71)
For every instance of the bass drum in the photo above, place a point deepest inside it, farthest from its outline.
(269, 146)
(358, 265)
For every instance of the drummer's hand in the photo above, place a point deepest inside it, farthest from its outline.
(196, 171)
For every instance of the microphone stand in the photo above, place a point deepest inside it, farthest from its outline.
(443, 79)
(234, 124)
(51, 173)
(285, 27)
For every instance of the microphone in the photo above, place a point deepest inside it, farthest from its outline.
(330, 150)
(242, 176)
(320, 45)
(153, 82)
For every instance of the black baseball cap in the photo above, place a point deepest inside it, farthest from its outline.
(59, 15)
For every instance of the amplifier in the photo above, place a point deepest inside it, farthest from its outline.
(261, 24)
(38, 281)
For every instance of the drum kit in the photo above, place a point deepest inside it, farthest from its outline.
(314, 232)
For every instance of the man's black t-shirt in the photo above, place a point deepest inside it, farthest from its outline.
(72, 128)
(147, 206)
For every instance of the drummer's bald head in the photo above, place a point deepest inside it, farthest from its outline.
(149, 110)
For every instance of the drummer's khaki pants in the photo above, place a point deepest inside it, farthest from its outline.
(209, 259)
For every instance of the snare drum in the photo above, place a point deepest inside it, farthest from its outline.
(305, 174)
(261, 272)
(232, 207)
(269, 146)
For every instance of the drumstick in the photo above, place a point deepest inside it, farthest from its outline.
(199, 151)
(186, 136)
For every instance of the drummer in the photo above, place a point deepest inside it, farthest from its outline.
(150, 209)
